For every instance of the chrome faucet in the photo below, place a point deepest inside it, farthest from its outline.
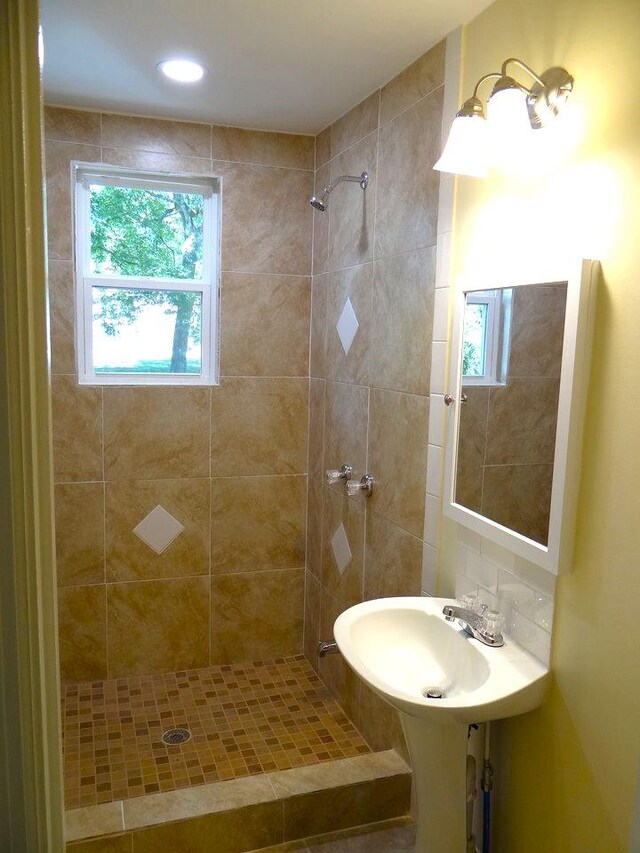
(484, 625)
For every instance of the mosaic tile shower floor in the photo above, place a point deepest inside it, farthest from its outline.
(244, 719)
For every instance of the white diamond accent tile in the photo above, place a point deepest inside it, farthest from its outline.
(340, 547)
(158, 529)
(347, 326)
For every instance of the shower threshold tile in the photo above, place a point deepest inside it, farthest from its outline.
(243, 720)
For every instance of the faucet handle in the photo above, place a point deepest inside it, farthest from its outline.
(365, 485)
(492, 623)
(344, 473)
(470, 601)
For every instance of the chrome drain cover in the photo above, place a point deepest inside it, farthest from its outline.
(176, 736)
(433, 693)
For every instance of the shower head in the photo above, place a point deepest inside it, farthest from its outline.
(321, 202)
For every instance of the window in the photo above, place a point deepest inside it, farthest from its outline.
(486, 337)
(146, 277)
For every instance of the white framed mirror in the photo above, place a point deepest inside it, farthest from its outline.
(520, 356)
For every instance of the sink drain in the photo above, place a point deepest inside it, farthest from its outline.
(433, 693)
(176, 736)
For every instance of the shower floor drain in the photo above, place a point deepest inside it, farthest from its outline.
(176, 736)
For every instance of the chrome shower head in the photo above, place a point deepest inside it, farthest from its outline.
(320, 202)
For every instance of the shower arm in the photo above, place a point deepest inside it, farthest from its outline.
(362, 179)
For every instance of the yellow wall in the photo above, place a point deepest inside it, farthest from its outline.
(567, 772)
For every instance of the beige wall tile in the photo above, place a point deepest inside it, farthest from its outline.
(256, 615)
(250, 828)
(112, 844)
(407, 194)
(151, 134)
(379, 722)
(128, 502)
(469, 487)
(257, 523)
(314, 526)
(401, 328)
(316, 428)
(259, 426)
(262, 147)
(317, 354)
(323, 147)
(77, 430)
(356, 284)
(58, 158)
(320, 221)
(352, 805)
(62, 313)
(311, 619)
(537, 330)
(413, 84)
(82, 633)
(249, 346)
(156, 432)
(71, 125)
(472, 442)
(398, 427)
(345, 587)
(266, 227)
(521, 427)
(79, 526)
(351, 209)
(519, 497)
(156, 162)
(158, 626)
(333, 669)
(358, 122)
(345, 430)
(393, 560)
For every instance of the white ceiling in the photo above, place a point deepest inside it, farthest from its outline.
(287, 65)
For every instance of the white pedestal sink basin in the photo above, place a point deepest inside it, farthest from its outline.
(404, 648)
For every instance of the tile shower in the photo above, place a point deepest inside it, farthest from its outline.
(211, 632)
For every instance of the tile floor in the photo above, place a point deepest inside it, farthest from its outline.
(244, 719)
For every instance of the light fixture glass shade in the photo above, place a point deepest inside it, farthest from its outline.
(507, 113)
(467, 148)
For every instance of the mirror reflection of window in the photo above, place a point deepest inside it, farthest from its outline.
(511, 360)
(486, 337)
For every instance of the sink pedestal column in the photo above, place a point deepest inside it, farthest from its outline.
(439, 761)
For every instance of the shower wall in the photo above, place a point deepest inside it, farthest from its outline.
(369, 402)
(228, 462)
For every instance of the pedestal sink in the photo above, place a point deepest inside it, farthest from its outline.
(404, 649)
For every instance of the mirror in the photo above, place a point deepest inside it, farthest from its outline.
(511, 359)
(514, 413)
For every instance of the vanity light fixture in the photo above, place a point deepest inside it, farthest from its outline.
(182, 70)
(511, 106)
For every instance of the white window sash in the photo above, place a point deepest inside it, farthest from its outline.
(83, 177)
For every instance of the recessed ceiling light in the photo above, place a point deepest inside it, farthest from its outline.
(182, 70)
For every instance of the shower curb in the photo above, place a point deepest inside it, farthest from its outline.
(259, 811)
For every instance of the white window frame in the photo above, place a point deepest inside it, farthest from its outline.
(84, 174)
(496, 344)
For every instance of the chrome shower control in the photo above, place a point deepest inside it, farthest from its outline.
(344, 473)
(365, 485)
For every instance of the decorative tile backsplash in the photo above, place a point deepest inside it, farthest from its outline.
(158, 529)
(496, 576)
